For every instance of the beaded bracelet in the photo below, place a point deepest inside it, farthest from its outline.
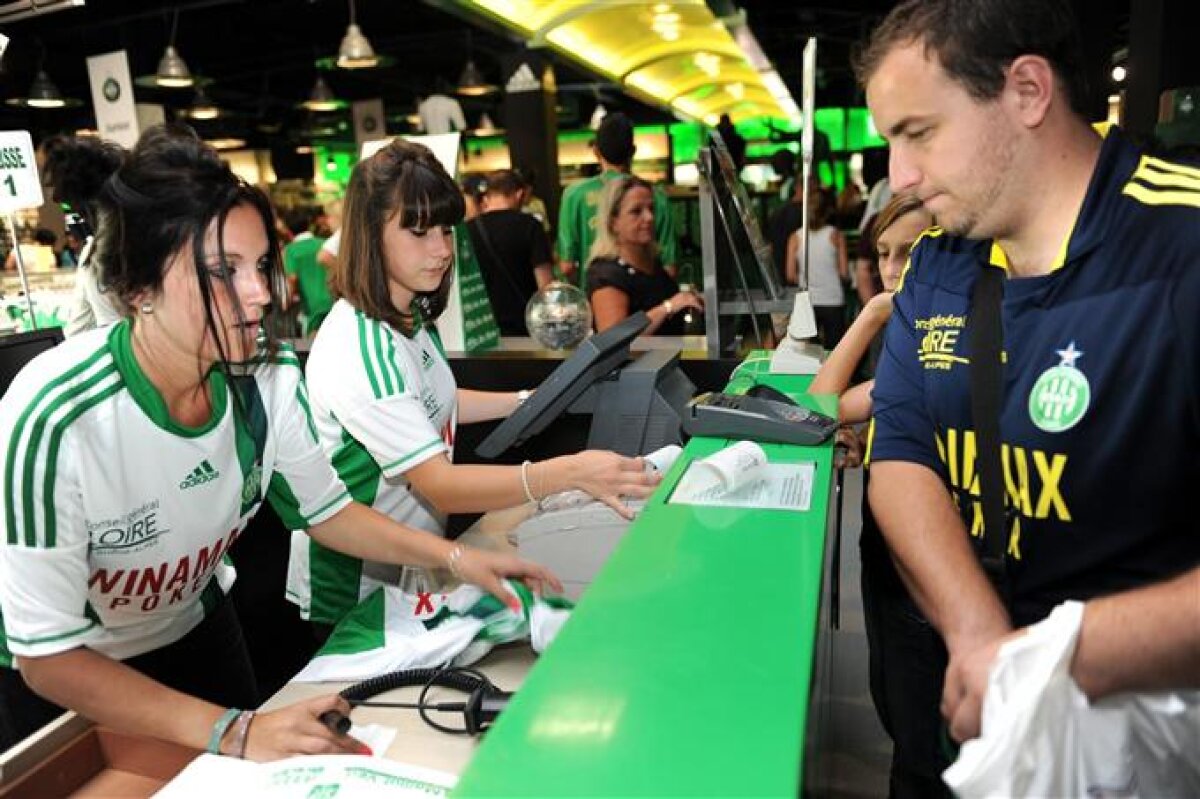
(453, 558)
(220, 728)
(241, 734)
(525, 481)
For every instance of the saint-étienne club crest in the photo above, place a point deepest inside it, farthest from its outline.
(1061, 395)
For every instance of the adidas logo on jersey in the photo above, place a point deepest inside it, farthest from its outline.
(202, 474)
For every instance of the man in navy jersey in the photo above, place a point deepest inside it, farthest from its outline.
(1100, 422)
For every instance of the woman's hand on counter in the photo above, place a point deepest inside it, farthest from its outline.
(488, 570)
(608, 476)
(298, 730)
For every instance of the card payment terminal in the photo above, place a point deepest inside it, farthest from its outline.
(755, 418)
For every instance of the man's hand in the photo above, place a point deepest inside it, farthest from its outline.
(966, 684)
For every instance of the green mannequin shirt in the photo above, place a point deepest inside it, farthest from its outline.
(577, 222)
(300, 259)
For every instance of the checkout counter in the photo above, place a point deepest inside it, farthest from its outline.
(695, 664)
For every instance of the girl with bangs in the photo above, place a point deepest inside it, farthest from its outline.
(384, 400)
(137, 453)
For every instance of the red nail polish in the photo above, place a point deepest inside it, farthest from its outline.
(363, 749)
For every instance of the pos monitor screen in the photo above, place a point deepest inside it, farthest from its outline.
(595, 358)
(19, 349)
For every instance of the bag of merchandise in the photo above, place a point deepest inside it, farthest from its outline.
(1040, 736)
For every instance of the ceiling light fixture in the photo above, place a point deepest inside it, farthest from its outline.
(173, 72)
(356, 52)
(321, 98)
(471, 82)
(226, 143)
(1119, 73)
(202, 106)
(43, 93)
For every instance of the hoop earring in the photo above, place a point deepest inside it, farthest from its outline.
(147, 307)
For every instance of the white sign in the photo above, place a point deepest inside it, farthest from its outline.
(112, 98)
(443, 145)
(20, 186)
(368, 121)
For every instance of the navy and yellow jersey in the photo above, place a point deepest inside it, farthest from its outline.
(1100, 425)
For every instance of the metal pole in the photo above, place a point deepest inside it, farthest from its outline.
(12, 228)
(808, 102)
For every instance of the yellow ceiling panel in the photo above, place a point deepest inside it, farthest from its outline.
(687, 72)
(534, 17)
(674, 54)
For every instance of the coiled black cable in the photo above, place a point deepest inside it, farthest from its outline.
(468, 681)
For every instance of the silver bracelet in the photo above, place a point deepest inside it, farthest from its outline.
(453, 559)
(241, 733)
(525, 481)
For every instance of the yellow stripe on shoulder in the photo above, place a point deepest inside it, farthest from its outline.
(928, 233)
(1159, 178)
(1152, 197)
(1169, 166)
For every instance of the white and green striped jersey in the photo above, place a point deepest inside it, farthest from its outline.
(383, 403)
(117, 518)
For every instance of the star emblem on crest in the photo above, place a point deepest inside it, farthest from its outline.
(1069, 355)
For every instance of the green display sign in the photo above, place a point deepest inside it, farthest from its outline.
(479, 325)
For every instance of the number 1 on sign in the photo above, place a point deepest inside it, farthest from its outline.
(12, 185)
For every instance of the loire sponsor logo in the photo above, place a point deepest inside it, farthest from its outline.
(128, 533)
(204, 473)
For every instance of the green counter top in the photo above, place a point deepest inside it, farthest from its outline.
(686, 668)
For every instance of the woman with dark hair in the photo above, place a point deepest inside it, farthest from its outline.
(384, 400)
(136, 455)
(76, 169)
(625, 274)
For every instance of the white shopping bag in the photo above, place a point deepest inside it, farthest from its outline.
(1041, 737)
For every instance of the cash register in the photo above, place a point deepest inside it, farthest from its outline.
(636, 405)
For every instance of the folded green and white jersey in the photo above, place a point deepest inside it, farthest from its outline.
(392, 631)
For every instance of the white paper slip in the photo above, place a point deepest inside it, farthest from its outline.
(739, 476)
(305, 777)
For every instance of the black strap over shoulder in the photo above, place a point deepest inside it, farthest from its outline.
(987, 395)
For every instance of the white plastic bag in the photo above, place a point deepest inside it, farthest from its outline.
(1041, 737)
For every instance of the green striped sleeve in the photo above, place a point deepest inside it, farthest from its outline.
(381, 360)
(80, 408)
(378, 352)
(35, 440)
(302, 400)
(365, 354)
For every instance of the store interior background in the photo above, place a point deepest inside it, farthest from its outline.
(258, 61)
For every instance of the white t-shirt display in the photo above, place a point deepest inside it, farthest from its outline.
(118, 518)
(441, 114)
(383, 403)
(824, 283)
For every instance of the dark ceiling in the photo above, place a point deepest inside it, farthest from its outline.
(260, 55)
